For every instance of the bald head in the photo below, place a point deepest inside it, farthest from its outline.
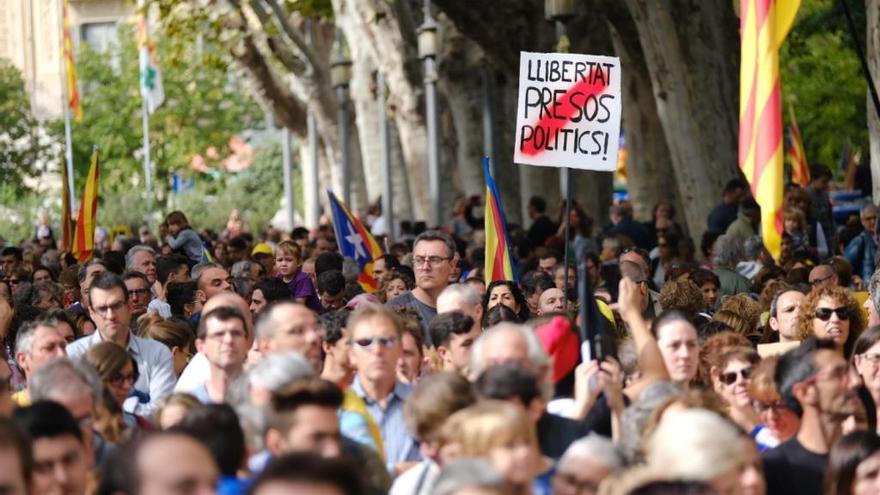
(823, 276)
(231, 300)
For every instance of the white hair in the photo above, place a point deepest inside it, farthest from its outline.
(536, 354)
(63, 377)
(597, 448)
(277, 371)
(694, 444)
(468, 473)
(463, 292)
(140, 248)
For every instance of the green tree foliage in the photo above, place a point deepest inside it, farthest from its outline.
(205, 104)
(822, 80)
(23, 147)
(255, 192)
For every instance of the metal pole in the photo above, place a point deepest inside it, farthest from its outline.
(566, 174)
(310, 171)
(68, 138)
(488, 120)
(342, 97)
(433, 141)
(311, 190)
(288, 173)
(387, 212)
(148, 169)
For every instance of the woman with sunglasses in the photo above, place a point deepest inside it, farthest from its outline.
(779, 423)
(831, 313)
(734, 377)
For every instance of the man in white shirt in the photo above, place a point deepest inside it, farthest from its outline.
(110, 309)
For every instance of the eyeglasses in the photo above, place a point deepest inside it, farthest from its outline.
(874, 359)
(138, 292)
(729, 378)
(114, 308)
(367, 344)
(820, 280)
(762, 407)
(432, 260)
(824, 314)
(234, 334)
(118, 379)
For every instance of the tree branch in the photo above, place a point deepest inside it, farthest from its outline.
(294, 35)
(278, 47)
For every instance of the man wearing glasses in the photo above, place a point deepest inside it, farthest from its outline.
(223, 339)
(110, 309)
(813, 380)
(139, 294)
(375, 336)
(823, 276)
(434, 258)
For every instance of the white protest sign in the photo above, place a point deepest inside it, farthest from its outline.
(569, 110)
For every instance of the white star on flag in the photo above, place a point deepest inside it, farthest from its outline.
(357, 241)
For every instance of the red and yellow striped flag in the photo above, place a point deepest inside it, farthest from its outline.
(800, 171)
(84, 236)
(764, 26)
(65, 210)
(73, 101)
(499, 261)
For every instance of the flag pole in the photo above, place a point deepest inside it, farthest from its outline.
(65, 103)
(148, 169)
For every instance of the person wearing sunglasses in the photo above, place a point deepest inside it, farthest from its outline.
(831, 313)
(376, 334)
(778, 422)
(734, 378)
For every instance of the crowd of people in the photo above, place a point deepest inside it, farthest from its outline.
(179, 361)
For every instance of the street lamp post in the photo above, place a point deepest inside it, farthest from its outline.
(340, 77)
(428, 52)
(559, 11)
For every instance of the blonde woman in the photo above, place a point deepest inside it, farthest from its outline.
(502, 433)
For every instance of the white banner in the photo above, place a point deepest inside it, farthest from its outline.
(569, 109)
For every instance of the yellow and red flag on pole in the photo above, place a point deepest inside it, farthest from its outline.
(800, 171)
(73, 101)
(84, 236)
(65, 210)
(764, 26)
(499, 260)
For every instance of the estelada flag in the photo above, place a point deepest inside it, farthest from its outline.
(84, 236)
(499, 260)
(800, 171)
(355, 242)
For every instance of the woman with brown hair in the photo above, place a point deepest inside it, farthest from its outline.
(177, 337)
(779, 422)
(119, 372)
(734, 377)
(831, 313)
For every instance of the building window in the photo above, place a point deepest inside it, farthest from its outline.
(99, 35)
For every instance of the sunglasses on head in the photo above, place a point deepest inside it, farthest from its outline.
(729, 378)
(824, 314)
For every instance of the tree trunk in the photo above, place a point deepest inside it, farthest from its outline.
(690, 47)
(388, 37)
(872, 13)
(650, 177)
